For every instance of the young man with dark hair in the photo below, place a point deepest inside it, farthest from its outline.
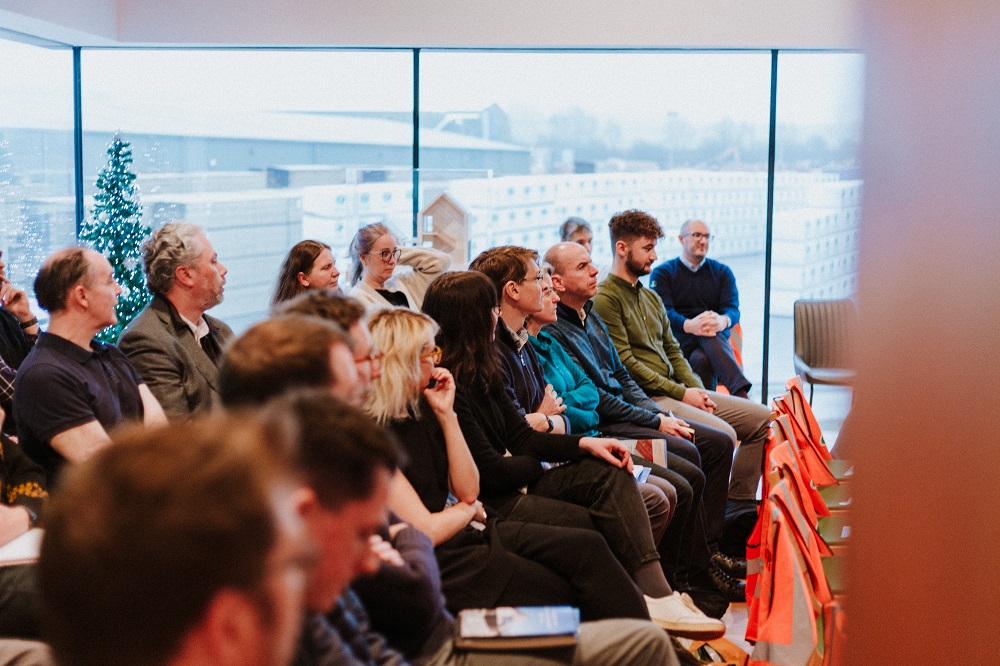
(71, 389)
(637, 324)
(179, 545)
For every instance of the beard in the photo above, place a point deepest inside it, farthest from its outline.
(634, 267)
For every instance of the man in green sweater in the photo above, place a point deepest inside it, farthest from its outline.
(638, 326)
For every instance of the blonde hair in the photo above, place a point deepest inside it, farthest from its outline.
(399, 334)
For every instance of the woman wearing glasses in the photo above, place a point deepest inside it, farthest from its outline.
(384, 275)
(484, 562)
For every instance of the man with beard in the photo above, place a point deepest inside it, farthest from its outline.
(637, 324)
(173, 344)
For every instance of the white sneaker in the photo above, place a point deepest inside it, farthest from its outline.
(675, 616)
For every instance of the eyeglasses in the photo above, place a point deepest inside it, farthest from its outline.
(700, 236)
(372, 360)
(538, 278)
(388, 255)
(434, 355)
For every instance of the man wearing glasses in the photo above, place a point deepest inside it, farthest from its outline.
(702, 305)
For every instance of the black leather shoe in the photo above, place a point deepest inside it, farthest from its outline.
(732, 589)
(732, 566)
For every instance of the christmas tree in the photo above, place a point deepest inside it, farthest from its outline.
(115, 229)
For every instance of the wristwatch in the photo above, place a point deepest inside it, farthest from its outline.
(551, 423)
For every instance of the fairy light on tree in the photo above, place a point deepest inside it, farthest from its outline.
(115, 229)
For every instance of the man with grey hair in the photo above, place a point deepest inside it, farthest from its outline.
(173, 344)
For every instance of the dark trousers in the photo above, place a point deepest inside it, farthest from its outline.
(567, 565)
(19, 601)
(713, 360)
(698, 470)
(613, 501)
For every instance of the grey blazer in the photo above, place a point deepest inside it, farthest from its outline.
(171, 362)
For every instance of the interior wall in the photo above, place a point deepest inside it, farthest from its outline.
(926, 527)
(552, 23)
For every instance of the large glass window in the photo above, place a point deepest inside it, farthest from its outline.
(261, 147)
(37, 206)
(555, 134)
(817, 202)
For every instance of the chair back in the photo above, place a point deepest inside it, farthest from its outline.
(824, 332)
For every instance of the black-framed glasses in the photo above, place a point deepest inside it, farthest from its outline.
(700, 236)
(388, 255)
(538, 278)
(434, 355)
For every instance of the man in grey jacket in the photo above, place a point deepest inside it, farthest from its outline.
(173, 344)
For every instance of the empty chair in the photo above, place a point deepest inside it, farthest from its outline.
(824, 331)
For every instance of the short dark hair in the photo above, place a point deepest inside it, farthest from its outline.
(632, 224)
(460, 302)
(300, 259)
(60, 272)
(141, 537)
(278, 354)
(325, 304)
(503, 264)
(340, 447)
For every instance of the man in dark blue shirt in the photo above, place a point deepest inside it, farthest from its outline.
(702, 305)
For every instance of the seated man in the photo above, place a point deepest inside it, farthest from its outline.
(22, 500)
(179, 545)
(637, 324)
(71, 389)
(702, 305)
(173, 344)
(18, 334)
(347, 463)
(624, 410)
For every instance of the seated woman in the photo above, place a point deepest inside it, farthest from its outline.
(375, 280)
(465, 306)
(309, 265)
(484, 562)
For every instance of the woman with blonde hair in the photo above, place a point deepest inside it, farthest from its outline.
(484, 562)
(384, 275)
(309, 265)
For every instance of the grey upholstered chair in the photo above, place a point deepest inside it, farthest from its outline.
(824, 333)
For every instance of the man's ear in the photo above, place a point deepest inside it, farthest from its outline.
(183, 275)
(557, 283)
(231, 627)
(305, 501)
(511, 290)
(77, 295)
(621, 248)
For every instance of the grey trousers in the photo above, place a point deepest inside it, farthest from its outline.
(745, 421)
(601, 643)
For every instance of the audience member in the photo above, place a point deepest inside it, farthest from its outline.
(18, 334)
(349, 314)
(71, 389)
(22, 501)
(173, 344)
(180, 545)
(577, 230)
(309, 265)
(465, 307)
(497, 562)
(286, 352)
(702, 456)
(702, 305)
(347, 462)
(637, 324)
(375, 280)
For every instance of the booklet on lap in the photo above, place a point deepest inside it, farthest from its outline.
(513, 628)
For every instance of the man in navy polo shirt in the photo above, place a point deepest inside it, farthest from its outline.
(702, 305)
(71, 389)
